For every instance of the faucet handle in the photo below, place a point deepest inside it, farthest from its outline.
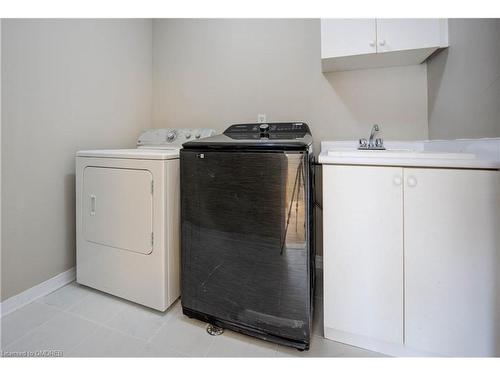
(363, 142)
(379, 142)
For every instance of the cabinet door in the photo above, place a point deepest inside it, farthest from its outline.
(452, 261)
(363, 251)
(404, 34)
(347, 37)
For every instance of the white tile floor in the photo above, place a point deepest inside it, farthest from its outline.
(82, 322)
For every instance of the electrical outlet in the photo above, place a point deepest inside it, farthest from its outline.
(261, 118)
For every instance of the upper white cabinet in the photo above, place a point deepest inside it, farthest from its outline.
(348, 44)
(348, 37)
(407, 34)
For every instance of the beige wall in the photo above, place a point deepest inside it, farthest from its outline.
(67, 85)
(217, 72)
(464, 82)
(212, 73)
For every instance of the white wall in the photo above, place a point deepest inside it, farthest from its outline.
(217, 72)
(67, 85)
(464, 82)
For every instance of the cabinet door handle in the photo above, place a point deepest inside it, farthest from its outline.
(412, 181)
(382, 42)
(372, 43)
(92, 204)
(397, 180)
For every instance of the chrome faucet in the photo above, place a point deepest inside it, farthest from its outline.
(370, 145)
(372, 134)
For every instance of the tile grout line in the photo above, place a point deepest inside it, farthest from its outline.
(95, 331)
(143, 341)
(83, 339)
(34, 328)
(212, 343)
(38, 302)
(175, 349)
(68, 310)
(103, 324)
(162, 325)
(100, 324)
(59, 313)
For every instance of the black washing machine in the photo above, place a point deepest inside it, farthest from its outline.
(247, 224)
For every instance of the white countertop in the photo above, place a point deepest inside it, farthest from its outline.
(461, 153)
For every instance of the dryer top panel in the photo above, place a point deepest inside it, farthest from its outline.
(153, 144)
(133, 153)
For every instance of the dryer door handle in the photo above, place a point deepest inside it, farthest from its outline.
(92, 204)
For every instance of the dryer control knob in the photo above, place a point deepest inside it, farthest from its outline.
(188, 135)
(197, 135)
(170, 136)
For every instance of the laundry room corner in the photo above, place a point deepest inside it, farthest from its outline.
(223, 182)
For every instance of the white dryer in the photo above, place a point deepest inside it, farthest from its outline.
(128, 218)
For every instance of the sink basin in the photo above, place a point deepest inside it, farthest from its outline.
(399, 153)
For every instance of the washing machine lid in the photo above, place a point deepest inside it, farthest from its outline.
(268, 136)
(133, 153)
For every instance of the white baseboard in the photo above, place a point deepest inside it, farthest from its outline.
(40, 290)
(319, 261)
(394, 350)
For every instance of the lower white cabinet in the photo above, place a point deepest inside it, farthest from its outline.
(412, 259)
(363, 257)
(452, 261)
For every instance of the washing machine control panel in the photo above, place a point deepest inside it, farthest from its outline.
(276, 130)
(170, 137)
(277, 127)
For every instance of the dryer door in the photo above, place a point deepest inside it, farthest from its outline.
(117, 208)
